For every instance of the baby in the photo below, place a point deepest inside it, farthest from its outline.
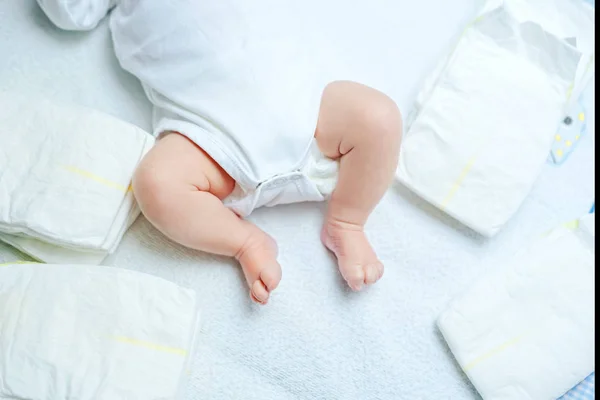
(250, 111)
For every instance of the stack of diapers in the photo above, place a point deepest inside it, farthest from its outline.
(527, 331)
(92, 333)
(485, 121)
(65, 173)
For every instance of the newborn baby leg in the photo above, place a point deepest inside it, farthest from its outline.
(362, 127)
(180, 190)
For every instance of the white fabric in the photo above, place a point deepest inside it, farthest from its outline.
(485, 121)
(315, 340)
(65, 191)
(92, 333)
(314, 181)
(526, 331)
(76, 14)
(242, 81)
(245, 82)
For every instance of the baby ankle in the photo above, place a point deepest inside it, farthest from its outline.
(332, 222)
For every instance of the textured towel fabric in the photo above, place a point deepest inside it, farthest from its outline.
(316, 340)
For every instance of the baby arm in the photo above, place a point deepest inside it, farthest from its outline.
(76, 15)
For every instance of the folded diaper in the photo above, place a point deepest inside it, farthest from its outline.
(65, 174)
(526, 331)
(484, 123)
(92, 333)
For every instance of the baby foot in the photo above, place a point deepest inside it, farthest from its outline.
(357, 261)
(258, 258)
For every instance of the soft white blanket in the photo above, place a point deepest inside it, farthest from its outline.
(315, 340)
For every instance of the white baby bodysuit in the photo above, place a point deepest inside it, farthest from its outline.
(243, 80)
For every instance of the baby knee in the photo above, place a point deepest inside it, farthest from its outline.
(384, 119)
(150, 192)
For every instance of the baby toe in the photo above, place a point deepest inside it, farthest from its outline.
(271, 277)
(259, 293)
(373, 272)
(380, 269)
(355, 277)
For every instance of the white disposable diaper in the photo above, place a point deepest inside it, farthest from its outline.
(65, 173)
(484, 123)
(92, 333)
(526, 331)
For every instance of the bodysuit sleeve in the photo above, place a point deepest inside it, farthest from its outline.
(76, 15)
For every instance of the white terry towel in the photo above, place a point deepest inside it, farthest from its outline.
(527, 331)
(92, 333)
(485, 121)
(65, 174)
